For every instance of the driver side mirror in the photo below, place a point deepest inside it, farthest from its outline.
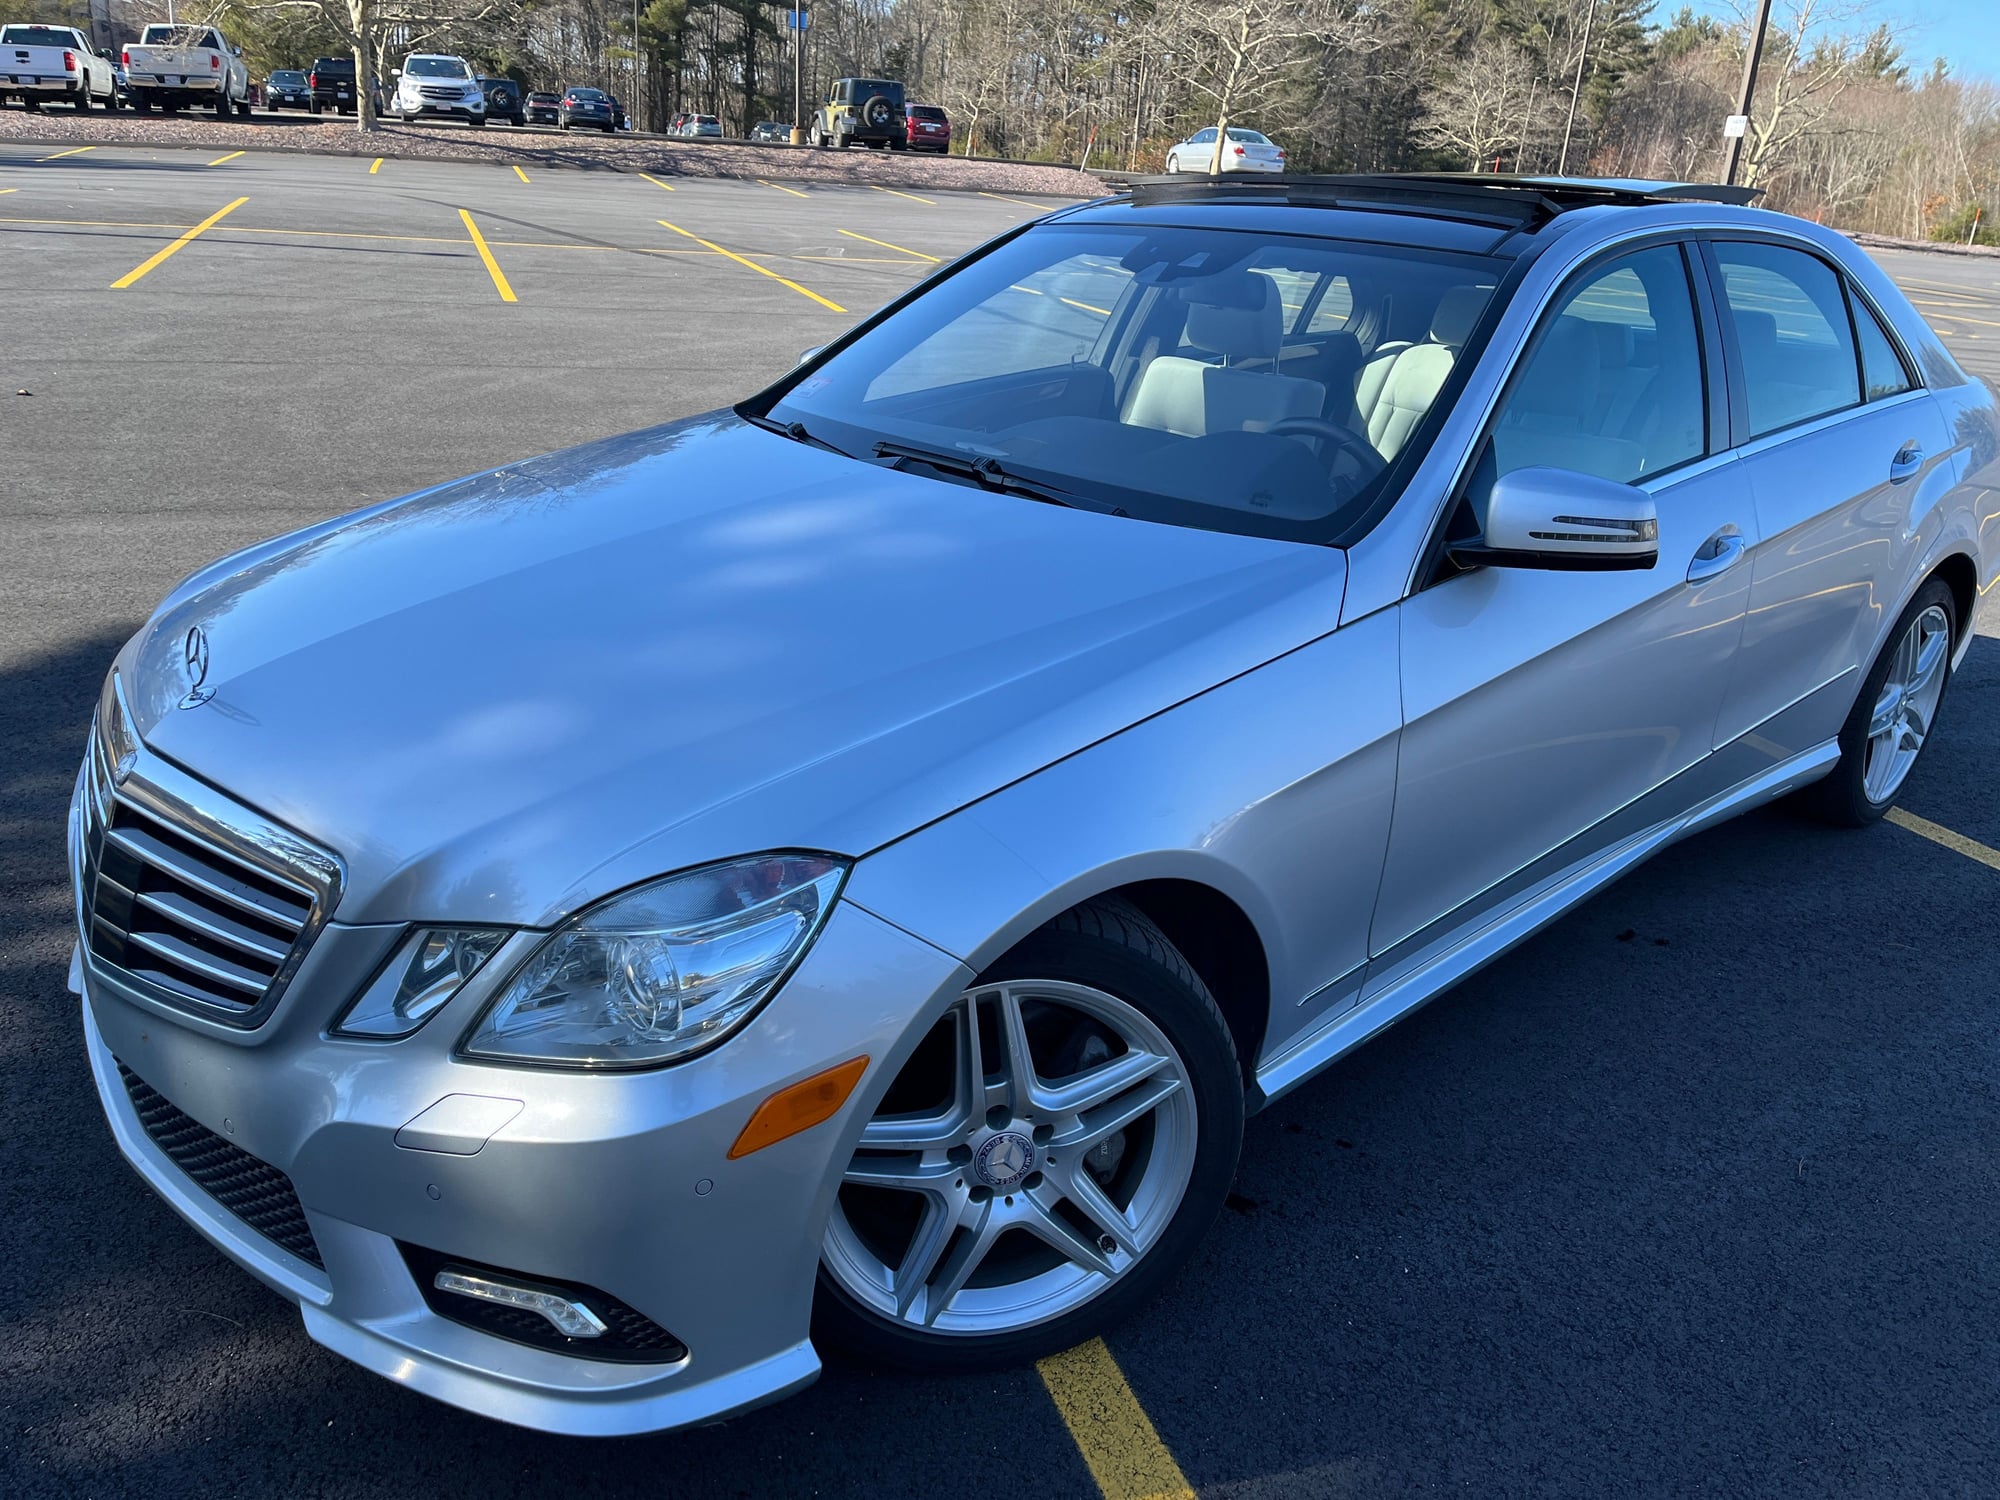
(808, 356)
(1560, 519)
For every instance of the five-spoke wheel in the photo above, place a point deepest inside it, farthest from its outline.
(1066, 1128)
(1894, 713)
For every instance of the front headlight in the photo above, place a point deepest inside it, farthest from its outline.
(424, 972)
(664, 970)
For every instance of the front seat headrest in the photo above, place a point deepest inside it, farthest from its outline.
(1457, 310)
(1236, 316)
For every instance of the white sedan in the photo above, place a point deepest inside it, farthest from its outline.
(1245, 151)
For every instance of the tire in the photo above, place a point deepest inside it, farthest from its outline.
(222, 105)
(1862, 787)
(477, 122)
(1106, 967)
(520, 121)
(83, 97)
(243, 109)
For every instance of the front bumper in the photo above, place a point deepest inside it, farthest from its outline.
(618, 1182)
(449, 111)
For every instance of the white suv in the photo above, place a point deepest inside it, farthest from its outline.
(431, 83)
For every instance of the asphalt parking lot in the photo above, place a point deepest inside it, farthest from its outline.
(1696, 1192)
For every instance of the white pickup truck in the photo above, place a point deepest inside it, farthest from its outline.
(171, 66)
(39, 63)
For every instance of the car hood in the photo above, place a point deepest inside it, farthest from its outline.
(504, 697)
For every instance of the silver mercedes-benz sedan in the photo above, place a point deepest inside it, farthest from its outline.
(841, 869)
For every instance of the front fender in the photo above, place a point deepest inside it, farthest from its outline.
(1274, 789)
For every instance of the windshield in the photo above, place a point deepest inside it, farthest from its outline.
(1217, 379)
(436, 67)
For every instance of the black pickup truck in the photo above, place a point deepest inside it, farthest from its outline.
(332, 80)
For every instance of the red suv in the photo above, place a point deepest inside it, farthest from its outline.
(930, 128)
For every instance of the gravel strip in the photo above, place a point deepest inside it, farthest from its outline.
(62, 128)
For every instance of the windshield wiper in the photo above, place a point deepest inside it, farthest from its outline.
(796, 431)
(982, 471)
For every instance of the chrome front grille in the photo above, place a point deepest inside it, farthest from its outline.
(203, 904)
(432, 91)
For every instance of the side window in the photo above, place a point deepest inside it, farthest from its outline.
(1612, 385)
(1882, 371)
(1336, 307)
(1205, 137)
(1791, 326)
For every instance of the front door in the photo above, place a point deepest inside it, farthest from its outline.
(1537, 704)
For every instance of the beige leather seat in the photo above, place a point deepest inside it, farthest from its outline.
(1401, 380)
(1240, 318)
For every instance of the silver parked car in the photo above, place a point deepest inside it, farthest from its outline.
(1244, 151)
(842, 869)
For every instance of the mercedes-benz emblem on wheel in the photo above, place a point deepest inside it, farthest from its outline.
(1004, 1160)
(194, 666)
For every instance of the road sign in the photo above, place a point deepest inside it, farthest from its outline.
(1735, 126)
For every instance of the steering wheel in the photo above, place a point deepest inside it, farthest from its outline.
(1343, 437)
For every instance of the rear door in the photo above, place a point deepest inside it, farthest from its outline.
(1540, 704)
(1837, 443)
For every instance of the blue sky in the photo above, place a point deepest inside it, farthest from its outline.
(1965, 33)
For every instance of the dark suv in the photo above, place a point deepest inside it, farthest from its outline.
(505, 100)
(332, 82)
(865, 111)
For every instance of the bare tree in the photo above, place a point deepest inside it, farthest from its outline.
(1492, 101)
(1243, 54)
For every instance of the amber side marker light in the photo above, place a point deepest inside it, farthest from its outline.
(799, 1107)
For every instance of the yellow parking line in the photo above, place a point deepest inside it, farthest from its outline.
(911, 196)
(5, 191)
(1102, 312)
(1109, 1426)
(374, 166)
(1028, 289)
(492, 266)
(221, 159)
(887, 246)
(760, 270)
(1044, 207)
(73, 151)
(1958, 843)
(187, 239)
(1955, 316)
(783, 189)
(656, 181)
(520, 174)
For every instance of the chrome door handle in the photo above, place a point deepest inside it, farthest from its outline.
(1909, 458)
(1718, 554)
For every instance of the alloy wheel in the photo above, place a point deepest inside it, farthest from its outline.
(1034, 1148)
(1907, 704)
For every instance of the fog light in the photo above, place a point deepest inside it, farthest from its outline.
(569, 1318)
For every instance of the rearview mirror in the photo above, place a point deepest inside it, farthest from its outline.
(1557, 518)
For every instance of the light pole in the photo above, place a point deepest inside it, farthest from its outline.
(798, 77)
(1576, 89)
(1749, 88)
